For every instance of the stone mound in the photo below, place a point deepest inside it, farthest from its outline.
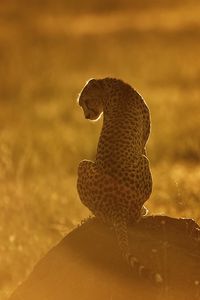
(87, 263)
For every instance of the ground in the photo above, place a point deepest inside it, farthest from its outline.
(47, 53)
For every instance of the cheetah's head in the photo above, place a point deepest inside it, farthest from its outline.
(91, 99)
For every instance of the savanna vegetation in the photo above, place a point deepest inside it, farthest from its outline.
(47, 51)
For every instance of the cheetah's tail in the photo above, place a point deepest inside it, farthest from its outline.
(121, 230)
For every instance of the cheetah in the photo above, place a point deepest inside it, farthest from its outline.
(116, 185)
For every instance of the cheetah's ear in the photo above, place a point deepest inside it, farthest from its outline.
(95, 83)
(92, 82)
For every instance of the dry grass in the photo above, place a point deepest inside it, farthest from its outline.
(44, 64)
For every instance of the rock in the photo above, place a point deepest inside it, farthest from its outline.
(87, 263)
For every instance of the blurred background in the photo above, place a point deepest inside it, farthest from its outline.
(48, 49)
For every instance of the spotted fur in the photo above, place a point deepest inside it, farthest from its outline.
(116, 185)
